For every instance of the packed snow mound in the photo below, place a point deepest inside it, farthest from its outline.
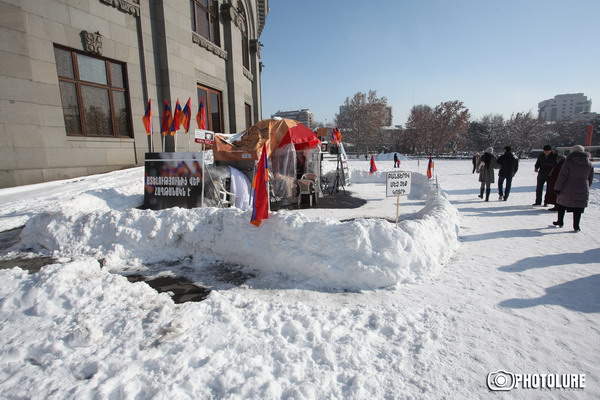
(318, 252)
(67, 330)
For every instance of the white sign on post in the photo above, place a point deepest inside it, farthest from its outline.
(204, 137)
(397, 183)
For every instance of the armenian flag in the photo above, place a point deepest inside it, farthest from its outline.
(187, 115)
(201, 115)
(336, 136)
(176, 122)
(167, 119)
(373, 168)
(260, 194)
(147, 118)
(430, 168)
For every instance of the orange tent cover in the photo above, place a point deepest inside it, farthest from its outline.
(276, 132)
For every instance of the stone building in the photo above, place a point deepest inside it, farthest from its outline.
(76, 75)
(304, 116)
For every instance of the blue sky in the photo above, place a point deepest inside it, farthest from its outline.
(500, 56)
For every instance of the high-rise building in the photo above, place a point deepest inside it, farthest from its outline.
(563, 106)
(76, 77)
(304, 116)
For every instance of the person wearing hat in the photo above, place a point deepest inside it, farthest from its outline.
(572, 187)
(544, 164)
(509, 165)
(486, 166)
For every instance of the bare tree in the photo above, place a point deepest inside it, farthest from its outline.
(524, 132)
(494, 129)
(451, 122)
(361, 120)
(419, 128)
(433, 130)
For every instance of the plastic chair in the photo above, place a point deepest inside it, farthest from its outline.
(306, 185)
(226, 199)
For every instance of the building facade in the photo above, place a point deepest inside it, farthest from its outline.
(304, 116)
(563, 106)
(76, 76)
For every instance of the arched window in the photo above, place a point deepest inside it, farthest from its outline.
(205, 19)
(244, 31)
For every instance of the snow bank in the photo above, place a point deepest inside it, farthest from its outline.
(315, 252)
(76, 331)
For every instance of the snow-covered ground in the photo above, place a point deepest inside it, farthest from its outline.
(343, 304)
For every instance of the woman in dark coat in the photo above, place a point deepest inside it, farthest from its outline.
(486, 166)
(572, 187)
(550, 197)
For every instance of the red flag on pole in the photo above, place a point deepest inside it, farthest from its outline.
(167, 119)
(588, 137)
(201, 115)
(430, 168)
(187, 115)
(373, 168)
(176, 122)
(147, 118)
(260, 193)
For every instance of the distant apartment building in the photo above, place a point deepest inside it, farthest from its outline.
(563, 106)
(76, 76)
(304, 116)
(387, 121)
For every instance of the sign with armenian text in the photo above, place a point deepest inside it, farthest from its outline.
(397, 183)
(172, 180)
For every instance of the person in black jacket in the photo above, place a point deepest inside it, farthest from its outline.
(509, 165)
(544, 164)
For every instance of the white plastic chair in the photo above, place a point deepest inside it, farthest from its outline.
(226, 199)
(306, 185)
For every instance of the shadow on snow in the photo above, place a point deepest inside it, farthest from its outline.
(579, 295)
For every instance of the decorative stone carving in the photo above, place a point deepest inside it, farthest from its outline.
(208, 45)
(230, 13)
(127, 6)
(248, 74)
(255, 46)
(92, 42)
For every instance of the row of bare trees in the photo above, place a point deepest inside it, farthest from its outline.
(447, 128)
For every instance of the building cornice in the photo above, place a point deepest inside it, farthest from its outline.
(128, 6)
(208, 45)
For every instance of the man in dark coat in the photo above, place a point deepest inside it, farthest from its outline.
(543, 166)
(509, 165)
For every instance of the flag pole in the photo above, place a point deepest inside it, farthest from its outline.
(203, 179)
(397, 209)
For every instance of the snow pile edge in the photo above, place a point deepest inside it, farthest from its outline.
(319, 252)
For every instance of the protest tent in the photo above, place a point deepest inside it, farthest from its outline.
(292, 148)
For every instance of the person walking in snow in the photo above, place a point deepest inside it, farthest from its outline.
(509, 165)
(544, 164)
(396, 160)
(550, 197)
(476, 159)
(572, 187)
(486, 166)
